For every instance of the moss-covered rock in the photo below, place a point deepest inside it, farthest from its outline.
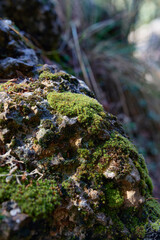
(67, 165)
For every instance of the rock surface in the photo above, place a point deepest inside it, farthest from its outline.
(36, 17)
(67, 170)
(15, 55)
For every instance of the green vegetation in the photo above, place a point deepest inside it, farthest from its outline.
(152, 208)
(89, 112)
(128, 150)
(108, 59)
(38, 198)
(113, 196)
(11, 87)
(47, 75)
(156, 225)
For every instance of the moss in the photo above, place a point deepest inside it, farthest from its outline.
(146, 181)
(117, 140)
(26, 110)
(47, 139)
(156, 225)
(35, 141)
(87, 164)
(113, 196)
(83, 153)
(6, 190)
(140, 231)
(11, 87)
(128, 150)
(47, 75)
(38, 198)
(68, 186)
(152, 209)
(48, 124)
(13, 143)
(89, 112)
(135, 221)
(100, 229)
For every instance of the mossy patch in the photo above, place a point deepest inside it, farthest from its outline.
(38, 198)
(89, 112)
(156, 225)
(11, 87)
(113, 196)
(77, 151)
(47, 75)
(152, 209)
(122, 146)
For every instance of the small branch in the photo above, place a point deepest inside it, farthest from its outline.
(34, 172)
(79, 55)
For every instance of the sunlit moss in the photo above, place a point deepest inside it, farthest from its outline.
(113, 196)
(47, 75)
(89, 112)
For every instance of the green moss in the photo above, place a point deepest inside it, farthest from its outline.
(135, 222)
(48, 137)
(156, 225)
(113, 196)
(11, 87)
(83, 153)
(117, 140)
(152, 209)
(128, 150)
(89, 112)
(146, 181)
(68, 186)
(140, 231)
(39, 198)
(6, 190)
(47, 75)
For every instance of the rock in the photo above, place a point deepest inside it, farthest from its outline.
(134, 197)
(63, 175)
(13, 220)
(38, 18)
(15, 55)
(67, 169)
(109, 174)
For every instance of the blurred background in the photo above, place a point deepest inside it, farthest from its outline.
(114, 46)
